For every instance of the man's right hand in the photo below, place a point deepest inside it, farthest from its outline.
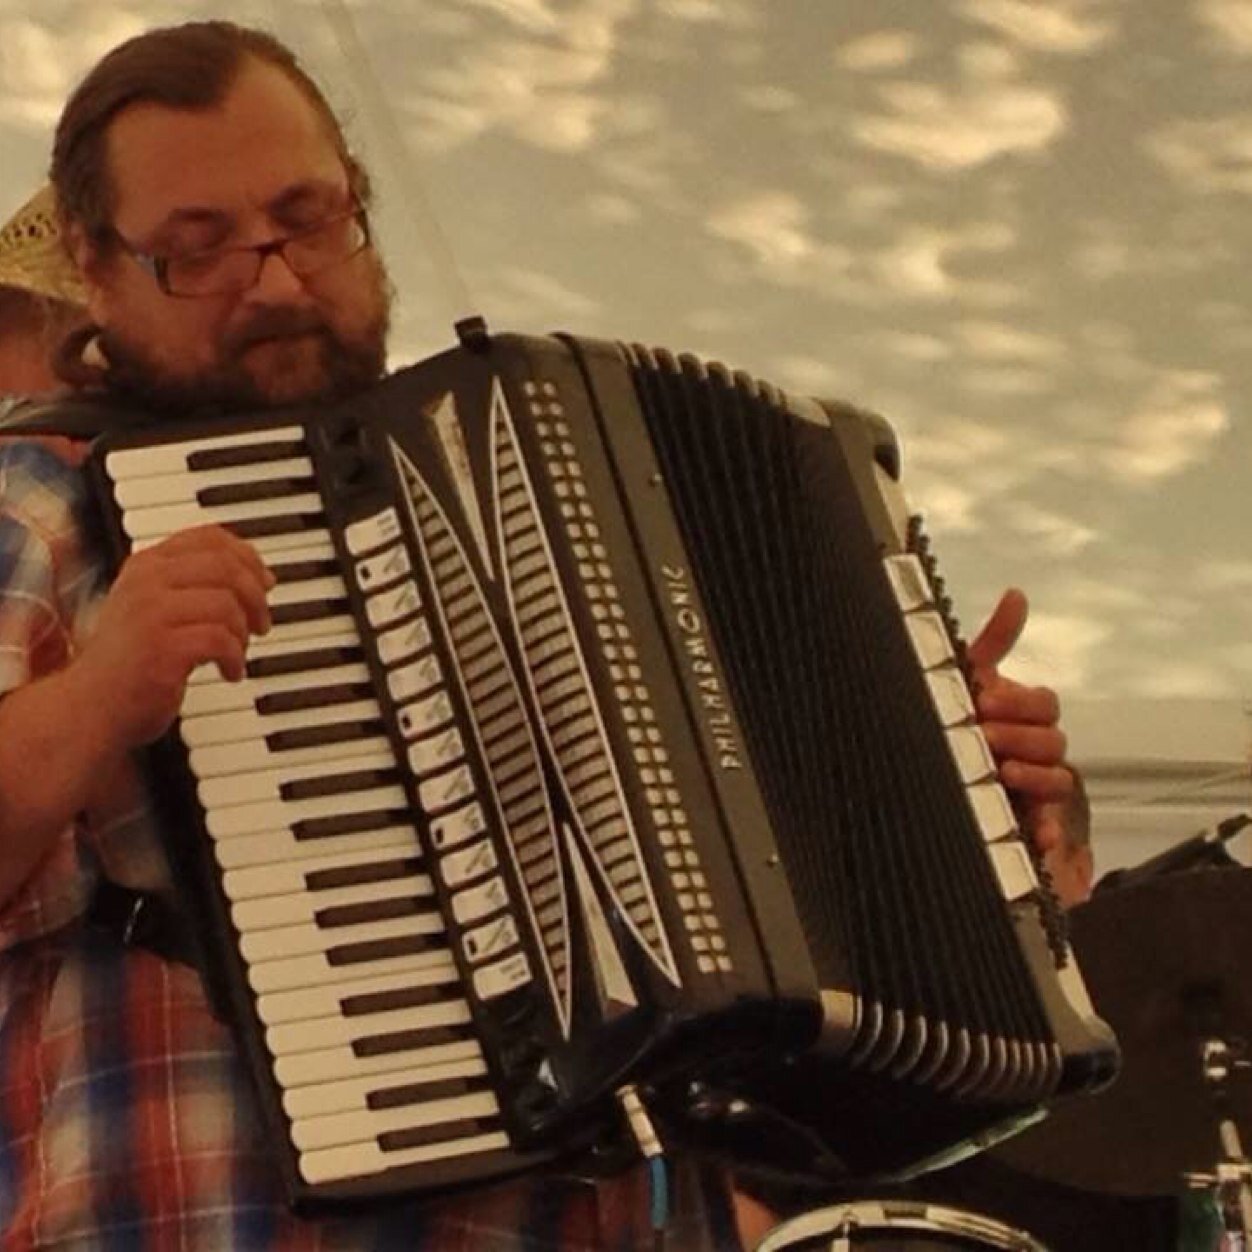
(194, 599)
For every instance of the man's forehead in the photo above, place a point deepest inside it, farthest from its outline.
(263, 147)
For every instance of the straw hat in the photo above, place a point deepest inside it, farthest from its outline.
(31, 256)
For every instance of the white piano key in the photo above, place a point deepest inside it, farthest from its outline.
(366, 1159)
(251, 916)
(322, 549)
(281, 641)
(227, 759)
(290, 877)
(167, 519)
(303, 590)
(220, 696)
(274, 548)
(280, 847)
(354, 1093)
(227, 728)
(286, 941)
(154, 489)
(336, 1129)
(255, 819)
(171, 458)
(326, 998)
(310, 969)
(218, 793)
(306, 1070)
(336, 1030)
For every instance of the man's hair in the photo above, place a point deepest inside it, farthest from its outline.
(192, 66)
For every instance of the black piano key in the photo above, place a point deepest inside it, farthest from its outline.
(423, 1092)
(372, 911)
(421, 1136)
(391, 1001)
(321, 736)
(299, 662)
(337, 784)
(280, 524)
(349, 823)
(312, 698)
(301, 571)
(359, 875)
(307, 611)
(412, 1040)
(243, 493)
(246, 454)
(381, 949)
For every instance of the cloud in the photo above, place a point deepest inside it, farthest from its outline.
(1061, 650)
(1230, 22)
(1061, 27)
(1051, 534)
(1173, 428)
(959, 127)
(1206, 156)
(543, 84)
(878, 51)
(775, 228)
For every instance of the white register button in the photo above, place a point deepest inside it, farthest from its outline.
(475, 903)
(373, 532)
(504, 976)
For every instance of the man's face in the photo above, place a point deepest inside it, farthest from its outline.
(258, 167)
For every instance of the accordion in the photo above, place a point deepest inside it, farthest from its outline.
(613, 736)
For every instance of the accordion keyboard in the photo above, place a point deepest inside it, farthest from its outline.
(367, 1025)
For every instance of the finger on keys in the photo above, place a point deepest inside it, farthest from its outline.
(214, 644)
(212, 556)
(1037, 783)
(1004, 700)
(999, 634)
(1039, 745)
(223, 569)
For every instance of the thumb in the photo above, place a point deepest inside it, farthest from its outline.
(1000, 631)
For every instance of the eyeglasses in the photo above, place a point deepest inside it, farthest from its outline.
(232, 271)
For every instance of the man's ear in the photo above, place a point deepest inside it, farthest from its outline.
(90, 263)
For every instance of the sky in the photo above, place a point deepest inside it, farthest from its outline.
(1016, 228)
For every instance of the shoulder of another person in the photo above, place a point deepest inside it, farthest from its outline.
(71, 415)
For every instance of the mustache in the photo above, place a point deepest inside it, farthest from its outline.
(279, 323)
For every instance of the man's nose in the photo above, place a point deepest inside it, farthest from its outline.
(276, 283)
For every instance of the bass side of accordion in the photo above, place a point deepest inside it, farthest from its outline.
(612, 731)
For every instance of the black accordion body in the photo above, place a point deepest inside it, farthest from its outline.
(612, 734)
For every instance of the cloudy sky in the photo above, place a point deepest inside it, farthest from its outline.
(1017, 228)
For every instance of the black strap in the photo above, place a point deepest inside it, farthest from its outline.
(139, 919)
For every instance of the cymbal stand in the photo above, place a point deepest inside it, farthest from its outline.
(1230, 1182)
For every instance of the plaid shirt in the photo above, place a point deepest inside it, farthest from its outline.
(126, 1121)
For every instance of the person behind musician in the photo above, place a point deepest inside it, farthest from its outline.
(41, 299)
(221, 226)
